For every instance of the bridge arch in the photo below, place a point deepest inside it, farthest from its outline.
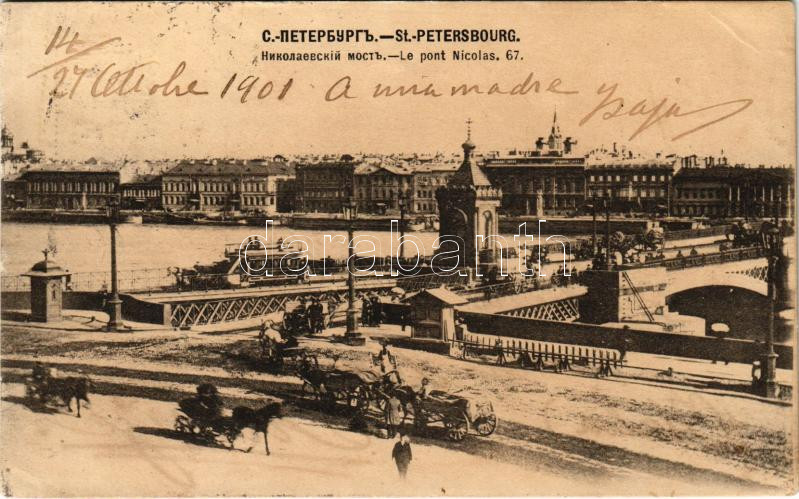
(683, 280)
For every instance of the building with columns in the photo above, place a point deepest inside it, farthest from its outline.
(547, 179)
(633, 184)
(733, 191)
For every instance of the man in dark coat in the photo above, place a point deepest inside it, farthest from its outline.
(402, 455)
(394, 416)
(366, 312)
(377, 310)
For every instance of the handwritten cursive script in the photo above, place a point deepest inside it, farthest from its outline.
(119, 80)
(661, 109)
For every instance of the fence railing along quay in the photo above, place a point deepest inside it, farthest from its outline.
(538, 355)
(129, 281)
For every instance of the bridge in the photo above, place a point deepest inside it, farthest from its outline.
(636, 296)
(741, 268)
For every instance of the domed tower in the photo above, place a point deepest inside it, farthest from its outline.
(467, 208)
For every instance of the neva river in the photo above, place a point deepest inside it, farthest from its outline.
(85, 248)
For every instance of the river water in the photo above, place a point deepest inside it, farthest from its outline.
(86, 248)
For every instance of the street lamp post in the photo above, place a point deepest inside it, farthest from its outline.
(773, 242)
(402, 208)
(608, 265)
(593, 216)
(352, 335)
(114, 304)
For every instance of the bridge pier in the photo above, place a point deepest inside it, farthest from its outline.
(623, 295)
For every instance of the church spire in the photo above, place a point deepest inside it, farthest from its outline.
(555, 127)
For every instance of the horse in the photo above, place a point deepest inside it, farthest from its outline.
(256, 419)
(68, 388)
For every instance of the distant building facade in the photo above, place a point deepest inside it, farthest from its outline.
(378, 188)
(733, 191)
(632, 185)
(427, 178)
(549, 179)
(325, 186)
(142, 192)
(286, 194)
(223, 185)
(70, 189)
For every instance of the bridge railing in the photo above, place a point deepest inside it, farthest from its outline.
(683, 262)
(128, 281)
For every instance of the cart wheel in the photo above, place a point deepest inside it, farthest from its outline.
(486, 425)
(457, 427)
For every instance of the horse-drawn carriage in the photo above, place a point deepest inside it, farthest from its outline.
(204, 418)
(359, 389)
(332, 385)
(43, 389)
(355, 387)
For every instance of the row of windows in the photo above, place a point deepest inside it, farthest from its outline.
(67, 202)
(180, 200)
(626, 178)
(626, 193)
(561, 187)
(141, 193)
(701, 210)
(382, 180)
(701, 193)
(258, 200)
(95, 186)
(325, 194)
(215, 186)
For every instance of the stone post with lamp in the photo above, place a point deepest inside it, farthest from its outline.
(352, 336)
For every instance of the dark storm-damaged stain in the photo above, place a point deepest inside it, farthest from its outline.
(134, 116)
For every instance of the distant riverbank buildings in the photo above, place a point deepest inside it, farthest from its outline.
(549, 179)
(224, 185)
(719, 190)
(377, 185)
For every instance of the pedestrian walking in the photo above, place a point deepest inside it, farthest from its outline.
(402, 454)
(393, 416)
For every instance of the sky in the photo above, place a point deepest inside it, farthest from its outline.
(733, 58)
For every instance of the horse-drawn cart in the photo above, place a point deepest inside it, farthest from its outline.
(457, 413)
(331, 385)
